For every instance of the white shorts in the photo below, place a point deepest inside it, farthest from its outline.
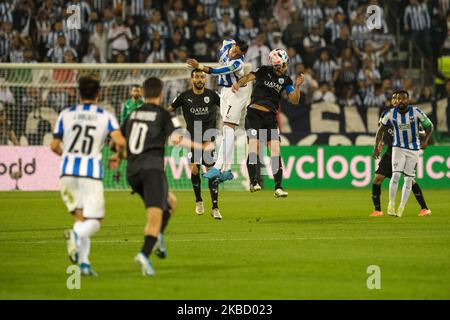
(232, 104)
(404, 160)
(83, 193)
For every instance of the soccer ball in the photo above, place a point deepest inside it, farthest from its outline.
(278, 57)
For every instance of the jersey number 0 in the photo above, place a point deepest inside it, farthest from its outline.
(137, 137)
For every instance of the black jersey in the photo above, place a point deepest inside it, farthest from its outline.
(388, 135)
(198, 107)
(146, 131)
(268, 87)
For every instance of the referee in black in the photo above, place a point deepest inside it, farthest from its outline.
(200, 107)
(146, 131)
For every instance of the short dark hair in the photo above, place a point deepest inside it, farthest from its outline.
(401, 91)
(243, 46)
(89, 86)
(152, 87)
(195, 71)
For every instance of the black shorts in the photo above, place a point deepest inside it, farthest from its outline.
(385, 165)
(198, 156)
(151, 185)
(261, 125)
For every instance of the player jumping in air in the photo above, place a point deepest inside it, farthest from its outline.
(261, 121)
(82, 129)
(146, 130)
(199, 107)
(404, 119)
(384, 170)
(135, 102)
(231, 58)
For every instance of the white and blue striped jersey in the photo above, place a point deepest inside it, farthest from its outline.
(83, 130)
(231, 70)
(406, 126)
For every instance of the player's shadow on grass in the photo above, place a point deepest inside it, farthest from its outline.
(300, 220)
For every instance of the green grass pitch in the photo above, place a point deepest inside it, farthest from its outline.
(311, 245)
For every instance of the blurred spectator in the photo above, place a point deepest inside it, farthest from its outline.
(294, 60)
(258, 53)
(309, 86)
(347, 64)
(426, 95)
(211, 32)
(173, 44)
(360, 32)
(446, 44)
(6, 133)
(277, 41)
(293, 34)
(224, 8)
(243, 12)
(56, 54)
(200, 17)
(333, 28)
(181, 27)
(177, 10)
(199, 46)
(325, 68)
(159, 25)
(349, 98)
(157, 53)
(375, 56)
(312, 43)
(119, 37)
(324, 94)
(282, 12)
(6, 11)
(370, 75)
(343, 41)
(94, 55)
(210, 7)
(417, 21)
(248, 32)
(52, 38)
(330, 10)
(226, 27)
(100, 39)
(312, 15)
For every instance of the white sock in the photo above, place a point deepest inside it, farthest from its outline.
(85, 248)
(407, 186)
(77, 225)
(224, 156)
(87, 228)
(393, 186)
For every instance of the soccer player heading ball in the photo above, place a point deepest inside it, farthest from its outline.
(231, 58)
(261, 122)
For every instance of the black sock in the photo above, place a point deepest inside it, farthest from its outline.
(376, 195)
(277, 171)
(195, 179)
(419, 195)
(165, 220)
(214, 191)
(149, 243)
(252, 168)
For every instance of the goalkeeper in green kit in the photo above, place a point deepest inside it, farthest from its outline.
(135, 102)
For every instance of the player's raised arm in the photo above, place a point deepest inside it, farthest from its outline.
(243, 81)
(294, 95)
(236, 66)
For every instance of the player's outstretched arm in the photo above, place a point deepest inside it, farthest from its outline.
(378, 140)
(243, 81)
(236, 66)
(119, 142)
(294, 96)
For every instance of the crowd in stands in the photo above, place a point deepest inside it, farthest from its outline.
(327, 40)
